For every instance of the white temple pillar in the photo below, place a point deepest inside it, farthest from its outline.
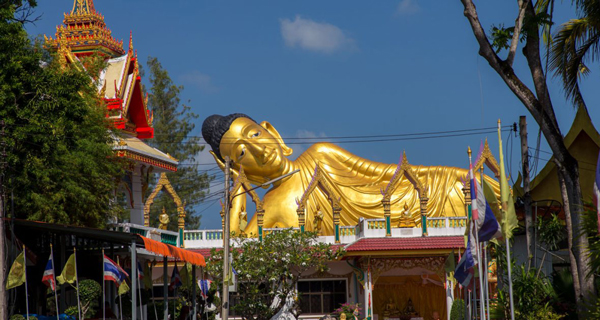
(136, 214)
(368, 306)
(449, 296)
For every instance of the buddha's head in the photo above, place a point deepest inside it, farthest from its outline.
(257, 147)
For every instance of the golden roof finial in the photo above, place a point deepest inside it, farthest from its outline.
(130, 41)
(83, 7)
(469, 151)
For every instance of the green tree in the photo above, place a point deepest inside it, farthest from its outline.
(60, 164)
(531, 24)
(173, 123)
(268, 271)
(576, 43)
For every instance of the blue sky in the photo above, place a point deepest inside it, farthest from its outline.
(335, 68)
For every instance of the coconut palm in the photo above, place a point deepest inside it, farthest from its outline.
(577, 43)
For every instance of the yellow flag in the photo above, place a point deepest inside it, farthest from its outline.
(123, 287)
(69, 273)
(509, 216)
(185, 275)
(147, 276)
(16, 276)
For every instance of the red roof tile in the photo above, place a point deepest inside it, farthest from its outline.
(378, 244)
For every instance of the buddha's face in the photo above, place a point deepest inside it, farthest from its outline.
(252, 146)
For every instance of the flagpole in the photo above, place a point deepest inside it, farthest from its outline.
(26, 291)
(504, 209)
(487, 287)
(54, 280)
(77, 283)
(119, 294)
(140, 292)
(152, 287)
(481, 298)
(102, 305)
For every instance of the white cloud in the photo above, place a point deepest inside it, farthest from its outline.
(407, 7)
(200, 81)
(314, 36)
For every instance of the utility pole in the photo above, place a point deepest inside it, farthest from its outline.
(3, 302)
(225, 299)
(529, 228)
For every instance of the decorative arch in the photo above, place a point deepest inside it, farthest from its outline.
(242, 182)
(404, 169)
(163, 182)
(318, 180)
(485, 157)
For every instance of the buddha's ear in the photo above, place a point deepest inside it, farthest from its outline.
(287, 151)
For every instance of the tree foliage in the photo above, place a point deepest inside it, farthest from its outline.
(532, 24)
(60, 163)
(576, 44)
(268, 271)
(173, 124)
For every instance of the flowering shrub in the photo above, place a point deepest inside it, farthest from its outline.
(267, 271)
(348, 309)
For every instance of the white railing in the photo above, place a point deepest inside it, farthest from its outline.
(203, 238)
(366, 228)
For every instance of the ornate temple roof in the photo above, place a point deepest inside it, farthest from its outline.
(391, 245)
(85, 32)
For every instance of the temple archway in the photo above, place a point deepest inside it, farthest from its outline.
(163, 182)
(404, 170)
(318, 180)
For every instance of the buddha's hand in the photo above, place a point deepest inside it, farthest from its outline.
(234, 173)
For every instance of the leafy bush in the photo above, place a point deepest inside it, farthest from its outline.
(458, 310)
(17, 317)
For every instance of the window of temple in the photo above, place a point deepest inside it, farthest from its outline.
(321, 296)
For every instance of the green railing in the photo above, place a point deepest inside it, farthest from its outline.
(168, 239)
(139, 231)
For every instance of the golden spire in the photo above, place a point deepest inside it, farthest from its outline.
(83, 7)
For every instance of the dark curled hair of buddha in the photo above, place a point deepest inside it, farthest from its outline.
(215, 126)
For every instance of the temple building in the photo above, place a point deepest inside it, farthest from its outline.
(84, 33)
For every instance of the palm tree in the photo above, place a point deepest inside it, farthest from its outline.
(576, 43)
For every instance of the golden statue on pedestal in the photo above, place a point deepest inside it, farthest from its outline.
(318, 222)
(406, 220)
(163, 219)
(262, 153)
(391, 310)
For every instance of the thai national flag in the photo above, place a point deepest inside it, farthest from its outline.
(175, 279)
(597, 191)
(140, 271)
(111, 271)
(48, 278)
(466, 266)
(487, 226)
(204, 288)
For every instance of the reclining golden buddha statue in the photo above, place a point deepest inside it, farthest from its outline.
(262, 153)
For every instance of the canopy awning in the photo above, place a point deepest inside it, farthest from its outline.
(168, 250)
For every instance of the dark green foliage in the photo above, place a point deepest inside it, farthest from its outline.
(90, 292)
(173, 125)
(458, 310)
(61, 167)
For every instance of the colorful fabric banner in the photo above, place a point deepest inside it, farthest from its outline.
(48, 277)
(16, 275)
(204, 288)
(175, 278)
(487, 226)
(69, 272)
(465, 269)
(597, 191)
(111, 271)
